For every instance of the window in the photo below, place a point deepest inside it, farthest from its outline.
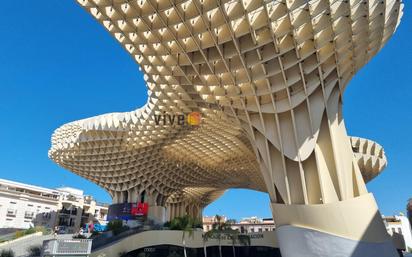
(11, 212)
(47, 208)
(30, 205)
(28, 215)
(12, 202)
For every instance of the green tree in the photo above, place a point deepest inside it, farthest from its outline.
(220, 228)
(186, 224)
(116, 226)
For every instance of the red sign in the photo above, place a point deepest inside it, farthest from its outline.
(140, 209)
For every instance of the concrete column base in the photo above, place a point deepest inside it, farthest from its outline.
(350, 228)
(157, 214)
(303, 242)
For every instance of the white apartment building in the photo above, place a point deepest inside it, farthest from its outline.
(254, 225)
(400, 225)
(77, 209)
(23, 206)
(246, 225)
(208, 222)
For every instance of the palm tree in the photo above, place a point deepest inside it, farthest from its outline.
(220, 228)
(186, 224)
(241, 239)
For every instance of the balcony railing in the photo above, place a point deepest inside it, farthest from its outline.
(68, 212)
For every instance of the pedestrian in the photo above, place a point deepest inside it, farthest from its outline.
(56, 229)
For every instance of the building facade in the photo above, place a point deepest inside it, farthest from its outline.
(245, 226)
(254, 225)
(399, 224)
(76, 210)
(208, 222)
(23, 206)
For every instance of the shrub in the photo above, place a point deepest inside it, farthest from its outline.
(29, 231)
(42, 229)
(184, 223)
(19, 233)
(34, 251)
(116, 226)
(7, 253)
(166, 224)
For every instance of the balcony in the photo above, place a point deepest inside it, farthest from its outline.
(68, 212)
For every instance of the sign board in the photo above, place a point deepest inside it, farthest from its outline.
(140, 209)
(127, 211)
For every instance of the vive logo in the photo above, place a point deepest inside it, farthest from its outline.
(192, 119)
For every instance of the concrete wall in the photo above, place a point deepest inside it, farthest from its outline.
(178, 238)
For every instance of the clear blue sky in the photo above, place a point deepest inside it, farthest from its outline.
(59, 65)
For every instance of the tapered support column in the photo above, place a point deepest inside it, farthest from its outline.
(157, 214)
(183, 208)
(320, 203)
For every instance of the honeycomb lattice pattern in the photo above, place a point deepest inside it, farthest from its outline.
(267, 77)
